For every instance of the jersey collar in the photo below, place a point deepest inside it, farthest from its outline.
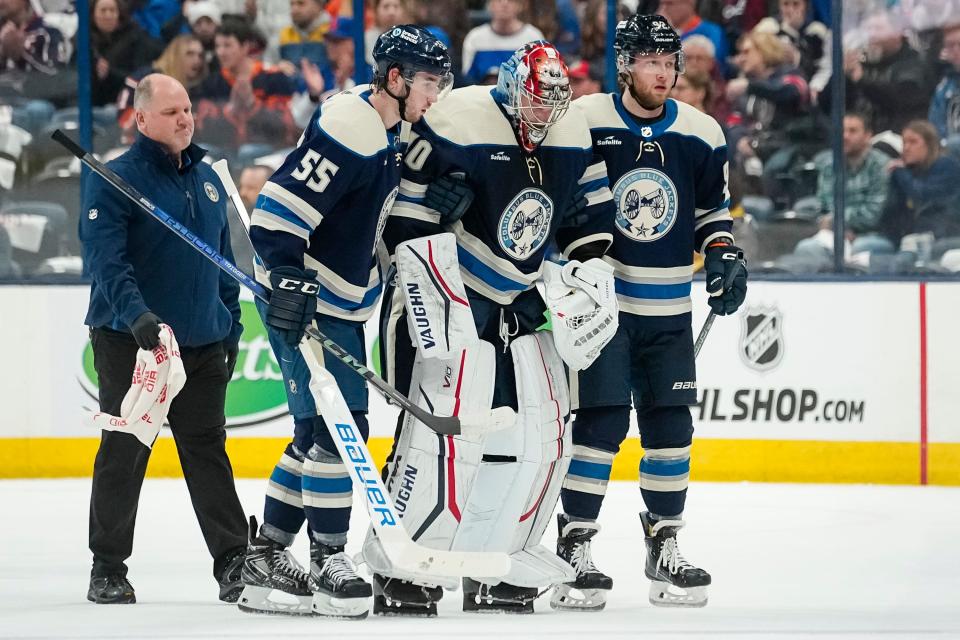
(647, 131)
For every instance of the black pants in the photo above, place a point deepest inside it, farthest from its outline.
(196, 420)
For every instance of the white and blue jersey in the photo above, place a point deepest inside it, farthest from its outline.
(325, 208)
(520, 199)
(668, 177)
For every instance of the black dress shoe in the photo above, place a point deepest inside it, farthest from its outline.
(230, 585)
(111, 589)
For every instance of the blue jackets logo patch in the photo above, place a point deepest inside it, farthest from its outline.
(211, 192)
(646, 204)
(525, 223)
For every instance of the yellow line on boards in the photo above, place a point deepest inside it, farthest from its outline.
(711, 459)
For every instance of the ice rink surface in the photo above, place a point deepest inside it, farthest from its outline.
(788, 561)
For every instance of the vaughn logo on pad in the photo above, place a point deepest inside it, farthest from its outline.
(256, 392)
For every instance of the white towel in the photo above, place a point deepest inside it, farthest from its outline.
(157, 378)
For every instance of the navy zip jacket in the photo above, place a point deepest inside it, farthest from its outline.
(138, 265)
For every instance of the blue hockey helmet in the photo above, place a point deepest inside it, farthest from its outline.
(411, 49)
(643, 34)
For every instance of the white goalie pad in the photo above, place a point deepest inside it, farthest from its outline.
(438, 312)
(522, 470)
(583, 308)
(432, 475)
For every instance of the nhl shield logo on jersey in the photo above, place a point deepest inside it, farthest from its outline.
(761, 337)
(525, 223)
(646, 204)
(211, 192)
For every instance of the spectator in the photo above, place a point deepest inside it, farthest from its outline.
(593, 30)
(585, 79)
(700, 57)
(567, 38)
(120, 47)
(303, 37)
(887, 78)
(694, 88)
(182, 60)
(736, 17)
(769, 93)
(924, 194)
(492, 43)
(203, 19)
(386, 14)
(543, 16)
(245, 102)
(682, 16)
(447, 20)
(340, 51)
(945, 107)
(866, 178)
(810, 38)
(151, 15)
(27, 43)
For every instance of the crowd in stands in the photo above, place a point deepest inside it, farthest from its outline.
(257, 69)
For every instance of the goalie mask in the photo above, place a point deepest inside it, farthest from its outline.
(534, 88)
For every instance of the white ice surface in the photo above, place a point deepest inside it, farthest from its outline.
(788, 561)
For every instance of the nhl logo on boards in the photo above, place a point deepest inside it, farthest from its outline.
(211, 192)
(761, 337)
(525, 222)
(646, 204)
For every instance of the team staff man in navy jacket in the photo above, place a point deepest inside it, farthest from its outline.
(142, 275)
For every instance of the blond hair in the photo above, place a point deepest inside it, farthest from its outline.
(769, 46)
(169, 61)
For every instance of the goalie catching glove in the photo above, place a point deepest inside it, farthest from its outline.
(583, 306)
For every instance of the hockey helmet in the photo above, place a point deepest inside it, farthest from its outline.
(642, 34)
(533, 86)
(411, 49)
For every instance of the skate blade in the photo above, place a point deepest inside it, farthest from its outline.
(264, 600)
(346, 608)
(393, 609)
(664, 594)
(568, 598)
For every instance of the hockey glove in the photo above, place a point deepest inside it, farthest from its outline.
(726, 272)
(293, 302)
(450, 196)
(146, 331)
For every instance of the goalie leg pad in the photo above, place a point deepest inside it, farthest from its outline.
(431, 475)
(438, 312)
(519, 479)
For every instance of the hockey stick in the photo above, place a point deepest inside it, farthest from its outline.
(705, 329)
(402, 550)
(452, 425)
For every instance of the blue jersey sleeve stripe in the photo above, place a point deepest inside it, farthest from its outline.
(485, 273)
(350, 305)
(271, 206)
(652, 291)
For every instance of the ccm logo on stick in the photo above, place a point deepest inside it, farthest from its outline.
(295, 285)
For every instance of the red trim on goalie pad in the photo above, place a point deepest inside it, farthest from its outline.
(436, 272)
(559, 420)
(452, 480)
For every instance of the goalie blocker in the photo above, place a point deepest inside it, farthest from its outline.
(493, 492)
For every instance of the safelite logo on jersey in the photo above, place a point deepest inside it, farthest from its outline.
(256, 392)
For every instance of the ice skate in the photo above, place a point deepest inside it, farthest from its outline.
(273, 582)
(498, 598)
(338, 591)
(395, 597)
(589, 591)
(675, 582)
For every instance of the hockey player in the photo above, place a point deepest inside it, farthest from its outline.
(667, 164)
(316, 229)
(524, 157)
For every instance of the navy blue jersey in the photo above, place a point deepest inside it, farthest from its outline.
(326, 206)
(520, 202)
(669, 184)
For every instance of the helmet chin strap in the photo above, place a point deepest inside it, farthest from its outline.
(401, 100)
